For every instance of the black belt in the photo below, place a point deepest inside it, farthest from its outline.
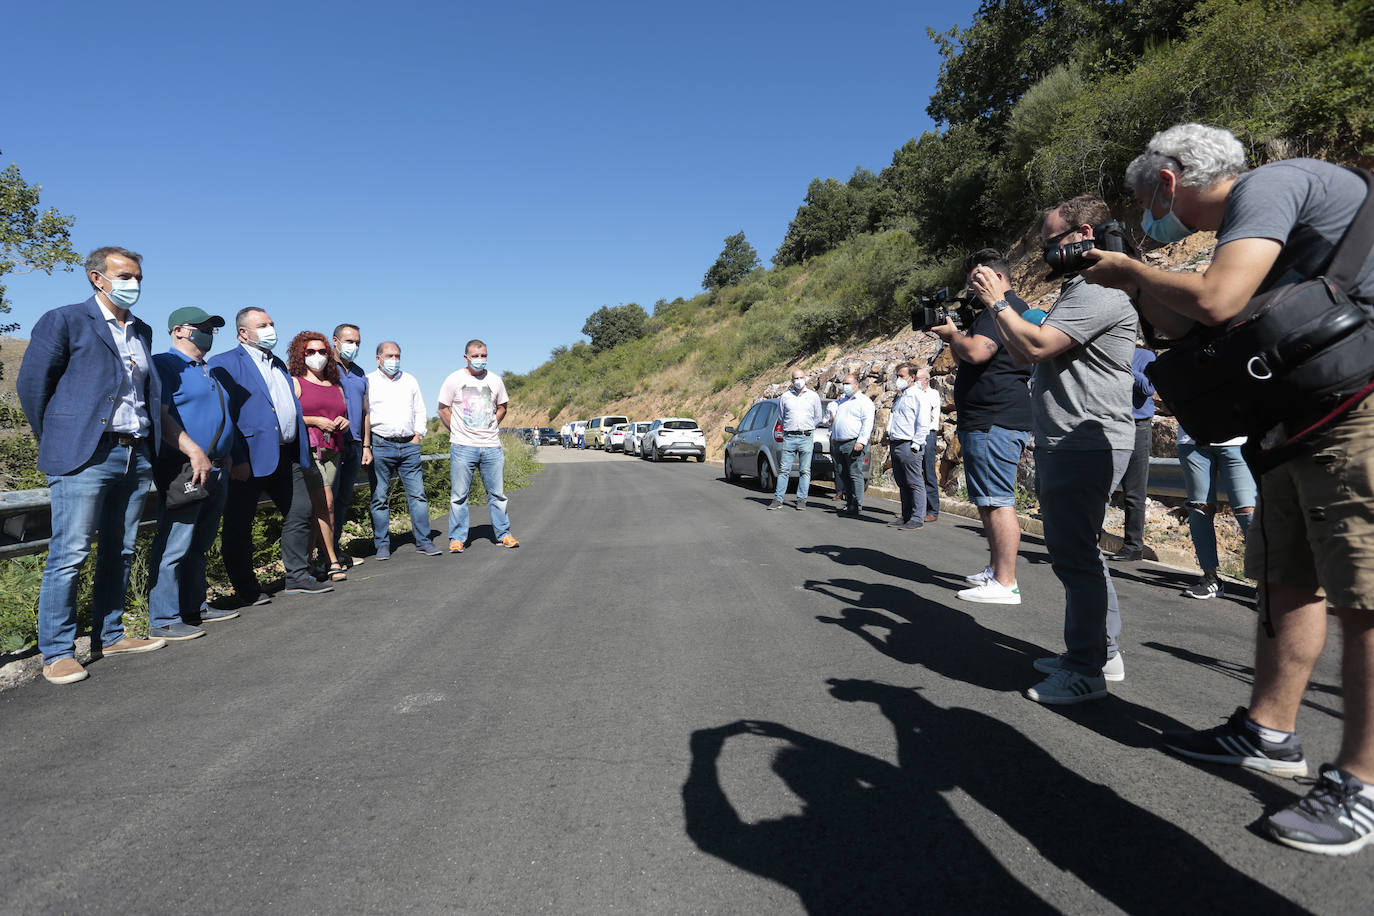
(901, 441)
(125, 439)
(799, 432)
(398, 438)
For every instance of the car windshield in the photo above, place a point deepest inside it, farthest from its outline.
(679, 424)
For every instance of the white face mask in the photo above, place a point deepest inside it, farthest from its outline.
(317, 361)
(123, 293)
(902, 383)
(799, 383)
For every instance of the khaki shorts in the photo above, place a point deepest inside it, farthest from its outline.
(1314, 526)
(323, 470)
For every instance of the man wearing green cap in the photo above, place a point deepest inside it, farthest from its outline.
(196, 430)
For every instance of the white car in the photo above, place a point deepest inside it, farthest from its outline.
(673, 436)
(633, 434)
(615, 439)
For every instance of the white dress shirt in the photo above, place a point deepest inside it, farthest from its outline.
(278, 387)
(906, 417)
(129, 413)
(930, 412)
(800, 410)
(853, 419)
(397, 405)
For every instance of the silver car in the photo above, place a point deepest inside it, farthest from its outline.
(633, 434)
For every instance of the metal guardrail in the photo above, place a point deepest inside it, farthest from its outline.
(26, 516)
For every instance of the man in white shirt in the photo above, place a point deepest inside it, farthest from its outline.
(799, 412)
(930, 422)
(906, 440)
(472, 404)
(850, 429)
(396, 417)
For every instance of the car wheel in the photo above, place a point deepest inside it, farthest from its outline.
(730, 474)
(653, 453)
(767, 481)
(700, 459)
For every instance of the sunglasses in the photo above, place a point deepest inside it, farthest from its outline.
(313, 351)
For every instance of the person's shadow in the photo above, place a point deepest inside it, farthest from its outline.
(874, 837)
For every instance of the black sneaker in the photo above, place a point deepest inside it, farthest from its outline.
(1125, 555)
(306, 587)
(1236, 744)
(1205, 588)
(775, 504)
(1335, 819)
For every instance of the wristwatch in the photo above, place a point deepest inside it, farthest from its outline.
(1000, 305)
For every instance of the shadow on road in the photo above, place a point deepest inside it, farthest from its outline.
(874, 837)
(1245, 674)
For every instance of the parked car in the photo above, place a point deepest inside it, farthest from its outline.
(598, 427)
(673, 437)
(548, 436)
(634, 433)
(754, 448)
(615, 439)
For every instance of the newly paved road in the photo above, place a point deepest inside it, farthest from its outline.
(667, 701)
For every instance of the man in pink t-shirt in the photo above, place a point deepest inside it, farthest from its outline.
(472, 404)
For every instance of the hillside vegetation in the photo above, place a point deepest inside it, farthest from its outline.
(1038, 100)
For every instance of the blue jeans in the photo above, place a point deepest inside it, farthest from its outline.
(991, 458)
(104, 498)
(462, 461)
(1202, 465)
(795, 448)
(176, 577)
(1074, 489)
(401, 459)
(850, 466)
(350, 463)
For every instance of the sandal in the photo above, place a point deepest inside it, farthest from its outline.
(338, 572)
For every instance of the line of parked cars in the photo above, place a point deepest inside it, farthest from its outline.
(666, 437)
(535, 435)
(755, 446)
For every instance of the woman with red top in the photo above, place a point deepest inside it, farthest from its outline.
(315, 375)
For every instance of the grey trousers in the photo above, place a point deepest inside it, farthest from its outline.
(1074, 487)
(909, 476)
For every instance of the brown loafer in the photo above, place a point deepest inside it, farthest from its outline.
(65, 671)
(128, 645)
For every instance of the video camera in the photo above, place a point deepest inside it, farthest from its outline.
(1068, 259)
(933, 310)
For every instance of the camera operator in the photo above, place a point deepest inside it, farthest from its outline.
(1084, 434)
(1312, 542)
(993, 425)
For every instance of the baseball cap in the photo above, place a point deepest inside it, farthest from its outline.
(192, 315)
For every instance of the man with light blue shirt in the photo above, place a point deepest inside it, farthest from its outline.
(357, 452)
(799, 412)
(270, 454)
(906, 439)
(196, 429)
(85, 385)
(851, 426)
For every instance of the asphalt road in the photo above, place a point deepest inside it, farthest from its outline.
(667, 701)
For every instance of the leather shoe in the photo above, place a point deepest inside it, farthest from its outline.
(932, 518)
(1126, 556)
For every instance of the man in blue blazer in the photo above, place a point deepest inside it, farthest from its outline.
(94, 404)
(271, 453)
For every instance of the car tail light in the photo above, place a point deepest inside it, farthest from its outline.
(777, 431)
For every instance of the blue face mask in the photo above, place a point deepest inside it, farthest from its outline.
(267, 337)
(1168, 228)
(348, 351)
(847, 389)
(479, 364)
(123, 293)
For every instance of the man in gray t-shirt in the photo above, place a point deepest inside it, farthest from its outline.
(1312, 540)
(1084, 434)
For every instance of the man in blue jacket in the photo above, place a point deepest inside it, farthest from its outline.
(93, 403)
(271, 452)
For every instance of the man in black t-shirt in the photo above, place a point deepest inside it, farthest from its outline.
(994, 421)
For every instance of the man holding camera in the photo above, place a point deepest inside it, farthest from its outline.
(994, 420)
(1312, 542)
(1084, 435)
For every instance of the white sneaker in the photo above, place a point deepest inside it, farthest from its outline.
(991, 592)
(1114, 670)
(979, 578)
(1065, 687)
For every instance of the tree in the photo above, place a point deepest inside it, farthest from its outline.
(608, 327)
(736, 261)
(29, 239)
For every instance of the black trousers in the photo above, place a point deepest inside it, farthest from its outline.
(287, 488)
(932, 478)
(1133, 486)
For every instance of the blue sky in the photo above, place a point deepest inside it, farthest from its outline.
(435, 172)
